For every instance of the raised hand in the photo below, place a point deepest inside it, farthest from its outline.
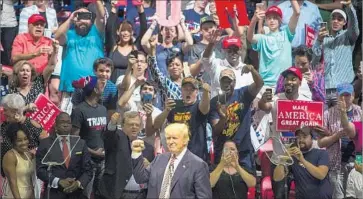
(222, 110)
(342, 106)
(137, 146)
(215, 35)
(169, 104)
(247, 69)
(323, 32)
(115, 118)
(153, 41)
(259, 14)
(148, 108)
(346, 2)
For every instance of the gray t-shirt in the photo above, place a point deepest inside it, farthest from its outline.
(8, 18)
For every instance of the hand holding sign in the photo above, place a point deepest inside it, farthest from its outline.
(162, 6)
(46, 112)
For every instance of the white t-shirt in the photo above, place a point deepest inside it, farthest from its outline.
(305, 89)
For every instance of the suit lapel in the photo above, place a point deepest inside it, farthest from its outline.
(164, 161)
(57, 151)
(73, 149)
(182, 167)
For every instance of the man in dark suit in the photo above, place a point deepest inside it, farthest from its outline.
(67, 180)
(117, 181)
(178, 174)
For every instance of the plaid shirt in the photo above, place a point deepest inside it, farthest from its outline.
(167, 87)
(317, 88)
(333, 124)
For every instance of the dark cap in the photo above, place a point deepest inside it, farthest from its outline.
(306, 130)
(207, 19)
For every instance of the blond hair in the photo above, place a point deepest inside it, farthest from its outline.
(179, 127)
(16, 69)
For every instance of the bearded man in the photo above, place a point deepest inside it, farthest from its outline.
(82, 45)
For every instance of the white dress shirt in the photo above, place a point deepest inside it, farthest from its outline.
(213, 66)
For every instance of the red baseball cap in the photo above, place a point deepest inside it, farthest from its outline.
(231, 41)
(294, 70)
(274, 10)
(35, 18)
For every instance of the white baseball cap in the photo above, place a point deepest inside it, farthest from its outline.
(341, 12)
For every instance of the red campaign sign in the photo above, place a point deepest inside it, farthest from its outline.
(225, 9)
(309, 36)
(292, 114)
(46, 113)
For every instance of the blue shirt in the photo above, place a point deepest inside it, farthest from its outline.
(238, 123)
(309, 14)
(275, 54)
(132, 16)
(79, 55)
(163, 54)
(192, 21)
(307, 186)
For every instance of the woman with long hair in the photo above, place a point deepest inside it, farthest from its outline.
(169, 43)
(18, 165)
(229, 179)
(120, 42)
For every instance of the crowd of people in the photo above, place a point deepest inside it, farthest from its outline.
(150, 110)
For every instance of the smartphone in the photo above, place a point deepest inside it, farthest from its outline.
(260, 6)
(358, 158)
(324, 24)
(269, 91)
(179, 103)
(222, 98)
(147, 98)
(84, 16)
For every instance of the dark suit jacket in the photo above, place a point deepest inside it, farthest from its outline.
(80, 165)
(190, 180)
(118, 163)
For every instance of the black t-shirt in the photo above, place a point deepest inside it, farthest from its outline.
(307, 186)
(197, 122)
(91, 121)
(230, 186)
(45, 17)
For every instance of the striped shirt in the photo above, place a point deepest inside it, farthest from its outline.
(333, 123)
(167, 86)
(25, 14)
(337, 52)
(317, 88)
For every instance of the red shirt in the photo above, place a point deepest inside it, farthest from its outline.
(24, 44)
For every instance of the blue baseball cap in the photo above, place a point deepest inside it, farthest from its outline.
(345, 88)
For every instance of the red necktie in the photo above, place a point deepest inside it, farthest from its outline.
(65, 152)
